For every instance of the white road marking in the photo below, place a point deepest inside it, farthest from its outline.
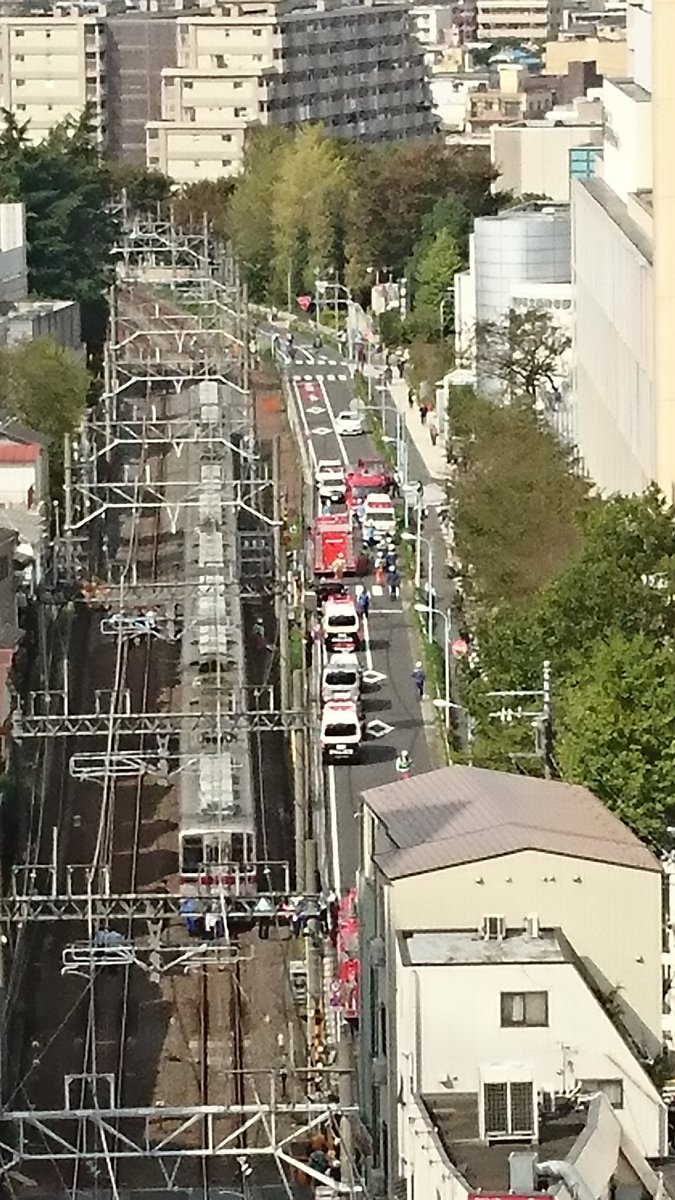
(366, 644)
(335, 840)
(308, 378)
(300, 408)
(384, 612)
(341, 378)
(297, 379)
(379, 728)
(373, 676)
(321, 431)
(329, 409)
(378, 590)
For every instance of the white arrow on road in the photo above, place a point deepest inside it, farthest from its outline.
(316, 410)
(373, 676)
(321, 431)
(379, 728)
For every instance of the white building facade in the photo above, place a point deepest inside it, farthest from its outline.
(621, 434)
(50, 68)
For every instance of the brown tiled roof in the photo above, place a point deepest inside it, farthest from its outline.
(465, 814)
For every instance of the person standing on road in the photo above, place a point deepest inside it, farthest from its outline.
(394, 580)
(419, 679)
(363, 603)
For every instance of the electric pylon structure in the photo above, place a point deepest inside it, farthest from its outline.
(171, 525)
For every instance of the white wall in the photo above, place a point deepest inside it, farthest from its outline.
(13, 274)
(455, 1017)
(16, 480)
(535, 158)
(627, 160)
(614, 359)
(611, 915)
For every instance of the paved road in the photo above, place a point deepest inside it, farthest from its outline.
(322, 385)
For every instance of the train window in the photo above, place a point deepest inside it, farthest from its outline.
(212, 852)
(192, 854)
(237, 846)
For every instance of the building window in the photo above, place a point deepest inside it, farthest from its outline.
(187, 84)
(238, 83)
(153, 161)
(584, 161)
(19, 82)
(19, 32)
(226, 137)
(18, 57)
(612, 1089)
(257, 32)
(240, 112)
(226, 162)
(524, 1008)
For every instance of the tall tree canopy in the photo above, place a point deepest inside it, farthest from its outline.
(70, 225)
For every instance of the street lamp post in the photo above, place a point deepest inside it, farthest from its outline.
(418, 538)
(449, 299)
(446, 617)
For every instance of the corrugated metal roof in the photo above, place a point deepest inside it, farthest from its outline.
(465, 814)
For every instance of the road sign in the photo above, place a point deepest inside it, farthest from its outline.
(305, 302)
(459, 648)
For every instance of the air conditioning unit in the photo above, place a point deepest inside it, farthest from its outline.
(531, 925)
(509, 1111)
(494, 928)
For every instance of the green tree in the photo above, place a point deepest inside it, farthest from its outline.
(450, 213)
(393, 187)
(305, 211)
(249, 216)
(208, 196)
(620, 578)
(71, 229)
(144, 189)
(436, 275)
(45, 386)
(523, 352)
(517, 502)
(616, 731)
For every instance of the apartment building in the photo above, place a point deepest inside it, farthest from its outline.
(139, 45)
(523, 20)
(356, 68)
(51, 67)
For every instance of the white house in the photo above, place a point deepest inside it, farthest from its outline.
(509, 1026)
(472, 849)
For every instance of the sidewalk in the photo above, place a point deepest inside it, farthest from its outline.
(433, 457)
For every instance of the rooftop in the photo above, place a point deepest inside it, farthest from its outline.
(466, 814)
(462, 947)
(632, 89)
(455, 1118)
(618, 211)
(18, 452)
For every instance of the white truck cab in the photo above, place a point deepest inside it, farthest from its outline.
(341, 625)
(379, 514)
(341, 731)
(341, 678)
(330, 480)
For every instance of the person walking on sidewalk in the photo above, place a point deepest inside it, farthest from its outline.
(433, 433)
(411, 399)
(423, 413)
(419, 679)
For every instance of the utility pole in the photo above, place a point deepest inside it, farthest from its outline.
(540, 720)
(280, 567)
